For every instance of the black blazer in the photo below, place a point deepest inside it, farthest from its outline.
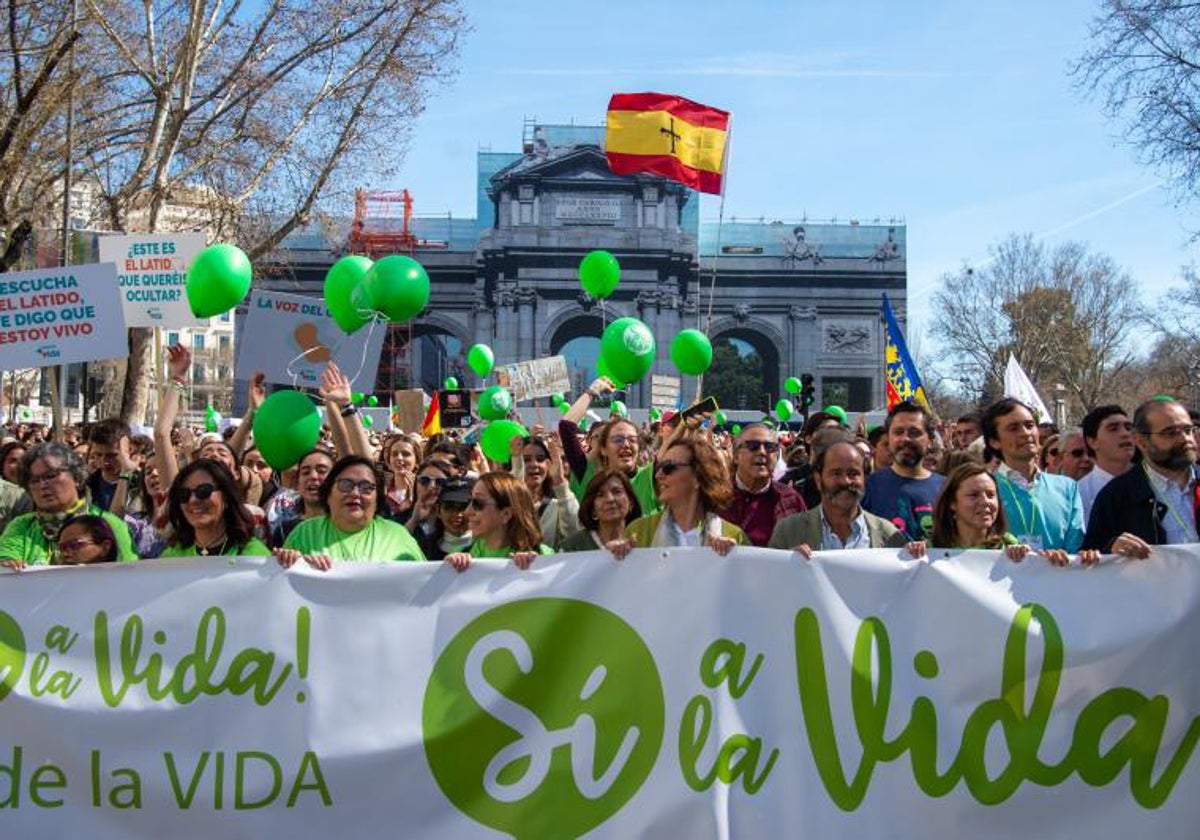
(1127, 504)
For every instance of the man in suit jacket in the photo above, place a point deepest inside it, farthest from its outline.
(839, 521)
(1155, 503)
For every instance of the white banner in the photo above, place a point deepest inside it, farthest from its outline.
(54, 316)
(672, 695)
(291, 338)
(152, 273)
(535, 378)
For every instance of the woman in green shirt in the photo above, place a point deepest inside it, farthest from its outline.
(55, 478)
(206, 517)
(502, 521)
(354, 528)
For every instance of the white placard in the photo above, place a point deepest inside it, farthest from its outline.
(535, 378)
(152, 273)
(55, 316)
(291, 338)
(665, 391)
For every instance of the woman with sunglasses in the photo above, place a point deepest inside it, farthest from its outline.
(693, 483)
(609, 505)
(502, 522)
(452, 532)
(617, 447)
(538, 461)
(207, 520)
(86, 539)
(353, 528)
(54, 476)
(430, 477)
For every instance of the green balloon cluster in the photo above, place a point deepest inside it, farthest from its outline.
(495, 403)
(496, 439)
(345, 295)
(792, 385)
(218, 279)
(691, 352)
(599, 274)
(286, 427)
(784, 409)
(558, 399)
(627, 349)
(481, 359)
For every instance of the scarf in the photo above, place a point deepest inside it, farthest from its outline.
(453, 545)
(665, 533)
(51, 523)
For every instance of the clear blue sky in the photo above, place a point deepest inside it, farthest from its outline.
(959, 117)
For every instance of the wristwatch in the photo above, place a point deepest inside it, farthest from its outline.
(125, 477)
(350, 410)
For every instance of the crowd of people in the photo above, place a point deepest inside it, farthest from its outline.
(1117, 484)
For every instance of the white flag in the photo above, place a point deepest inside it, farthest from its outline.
(1018, 386)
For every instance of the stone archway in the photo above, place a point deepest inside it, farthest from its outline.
(745, 370)
(577, 337)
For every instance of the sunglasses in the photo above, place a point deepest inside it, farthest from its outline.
(669, 467)
(200, 491)
(349, 485)
(1076, 453)
(768, 446)
(427, 480)
(481, 504)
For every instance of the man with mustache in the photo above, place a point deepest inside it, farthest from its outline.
(1154, 503)
(905, 492)
(1108, 435)
(838, 522)
(759, 501)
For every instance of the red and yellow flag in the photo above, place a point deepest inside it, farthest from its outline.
(433, 418)
(668, 135)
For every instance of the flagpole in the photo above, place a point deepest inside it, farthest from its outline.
(712, 286)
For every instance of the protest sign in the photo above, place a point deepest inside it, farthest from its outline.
(535, 378)
(54, 316)
(676, 694)
(455, 408)
(665, 391)
(410, 409)
(152, 274)
(292, 338)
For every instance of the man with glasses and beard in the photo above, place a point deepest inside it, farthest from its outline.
(839, 522)
(905, 492)
(1155, 502)
(759, 501)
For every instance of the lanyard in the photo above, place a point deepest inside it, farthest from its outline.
(1188, 530)
(1028, 527)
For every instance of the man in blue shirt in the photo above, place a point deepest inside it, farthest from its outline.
(904, 493)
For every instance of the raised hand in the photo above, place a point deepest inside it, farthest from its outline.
(335, 387)
(179, 361)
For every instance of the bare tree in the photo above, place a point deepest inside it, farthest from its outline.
(260, 114)
(1144, 63)
(1066, 315)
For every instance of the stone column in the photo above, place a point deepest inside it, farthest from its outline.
(506, 323)
(801, 356)
(526, 301)
(483, 323)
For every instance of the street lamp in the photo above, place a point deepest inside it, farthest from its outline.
(1060, 405)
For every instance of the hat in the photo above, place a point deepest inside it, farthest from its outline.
(456, 490)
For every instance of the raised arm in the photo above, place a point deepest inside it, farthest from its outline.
(179, 361)
(335, 390)
(256, 392)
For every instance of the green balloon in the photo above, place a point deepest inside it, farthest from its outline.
(481, 359)
(286, 428)
(451, 383)
(563, 408)
(692, 352)
(737, 430)
(838, 412)
(212, 420)
(397, 287)
(784, 410)
(603, 369)
(497, 438)
(217, 280)
(368, 421)
(372, 401)
(345, 294)
(719, 418)
(495, 403)
(599, 274)
(557, 399)
(618, 409)
(627, 349)
(792, 385)
(655, 415)
(356, 397)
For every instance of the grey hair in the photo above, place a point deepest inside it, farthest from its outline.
(54, 451)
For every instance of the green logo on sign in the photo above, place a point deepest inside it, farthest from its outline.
(543, 717)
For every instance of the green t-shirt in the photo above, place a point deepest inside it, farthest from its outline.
(643, 486)
(381, 540)
(254, 548)
(479, 549)
(23, 539)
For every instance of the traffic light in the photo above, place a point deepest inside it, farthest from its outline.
(808, 393)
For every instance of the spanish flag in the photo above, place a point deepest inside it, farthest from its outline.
(901, 376)
(668, 135)
(433, 418)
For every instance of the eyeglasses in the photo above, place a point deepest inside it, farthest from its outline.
(1175, 432)
(71, 546)
(911, 433)
(426, 480)
(768, 446)
(46, 477)
(1077, 453)
(200, 491)
(669, 467)
(622, 440)
(481, 504)
(349, 485)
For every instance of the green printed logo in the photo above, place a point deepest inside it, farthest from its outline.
(543, 717)
(638, 339)
(12, 653)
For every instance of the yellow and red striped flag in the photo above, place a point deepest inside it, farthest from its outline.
(668, 135)
(433, 418)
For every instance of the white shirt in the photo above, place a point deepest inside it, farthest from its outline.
(1089, 488)
(1179, 524)
(859, 538)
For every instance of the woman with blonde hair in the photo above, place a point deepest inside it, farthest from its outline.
(502, 521)
(401, 455)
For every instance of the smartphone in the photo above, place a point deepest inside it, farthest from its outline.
(705, 408)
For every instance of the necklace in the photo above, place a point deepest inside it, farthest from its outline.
(216, 547)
